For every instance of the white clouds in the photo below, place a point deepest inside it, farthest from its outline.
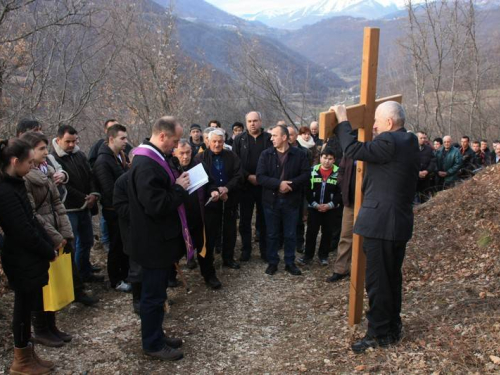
(239, 7)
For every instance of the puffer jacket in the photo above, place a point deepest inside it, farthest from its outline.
(47, 206)
(27, 248)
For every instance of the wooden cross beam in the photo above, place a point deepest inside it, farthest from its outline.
(361, 116)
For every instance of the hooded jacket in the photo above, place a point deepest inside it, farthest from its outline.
(47, 206)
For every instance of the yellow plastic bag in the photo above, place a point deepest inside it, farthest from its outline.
(59, 292)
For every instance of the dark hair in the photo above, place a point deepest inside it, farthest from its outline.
(26, 125)
(466, 137)
(107, 122)
(214, 122)
(438, 139)
(63, 129)
(284, 130)
(114, 129)
(33, 139)
(484, 140)
(12, 148)
(237, 124)
(422, 132)
(304, 130)
(476, 143)
(496, 141)
(328, 151)
(165, 124)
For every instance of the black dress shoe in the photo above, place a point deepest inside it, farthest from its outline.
(292, 269)
(85, 299)
(364, 344)
(271, 269)
(173, 283)
(166, 354)
(304, 261)
(231, 264)
(336, 277)
(95, 269)
(213, 282)
(93, 279)
(245, 257)
(173, 342)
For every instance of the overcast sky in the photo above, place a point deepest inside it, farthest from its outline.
(239, 7)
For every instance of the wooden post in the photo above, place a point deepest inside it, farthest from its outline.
(361, 116)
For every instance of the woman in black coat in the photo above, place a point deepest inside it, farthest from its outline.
(26, 253)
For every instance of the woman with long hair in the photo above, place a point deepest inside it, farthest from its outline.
(50, 212)
(26, 253)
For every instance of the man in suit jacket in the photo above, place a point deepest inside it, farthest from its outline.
(385, 219)
(156, 230)
(427, 166)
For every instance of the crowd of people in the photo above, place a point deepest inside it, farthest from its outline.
(294, 182)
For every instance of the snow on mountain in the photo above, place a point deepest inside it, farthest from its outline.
(294, 18)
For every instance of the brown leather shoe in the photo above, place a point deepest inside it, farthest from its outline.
(24, 363)
(48, 364)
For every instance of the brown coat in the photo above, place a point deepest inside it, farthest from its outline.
(45, 200)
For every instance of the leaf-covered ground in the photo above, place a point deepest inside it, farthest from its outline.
(283, 324)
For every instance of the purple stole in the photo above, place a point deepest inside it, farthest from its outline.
(148, 151)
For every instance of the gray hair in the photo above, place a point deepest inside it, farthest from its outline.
(216, 132)
(208, 131)
(258, 114)
(394, 111)
(183, 142)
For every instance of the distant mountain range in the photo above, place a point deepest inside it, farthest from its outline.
(295, 18)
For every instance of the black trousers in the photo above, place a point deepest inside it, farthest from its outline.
(24, 303)
(423, 189)
(384, 280)
(118, 263)
(327, 222)
(215, 219)
(251, 197)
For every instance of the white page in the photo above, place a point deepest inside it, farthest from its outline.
(197, 178)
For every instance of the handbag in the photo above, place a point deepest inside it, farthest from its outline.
(59, 293)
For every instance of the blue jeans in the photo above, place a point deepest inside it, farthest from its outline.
(281, 212)
(104, 230)
(153, 297)
(81, 224)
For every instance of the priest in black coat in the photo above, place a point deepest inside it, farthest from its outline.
(385, 219)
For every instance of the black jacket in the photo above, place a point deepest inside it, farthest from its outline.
(297, 170)
(27, 249)
(389, 185)
(427, 160)
(94, 151)
(81, 180)
(241, 145)
(347, 181)
(232, 166)
(121, 206)
(195, 148)
(323, 192)
(156, 232)
(107, 169)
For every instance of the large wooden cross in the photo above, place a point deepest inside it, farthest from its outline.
(361, 116)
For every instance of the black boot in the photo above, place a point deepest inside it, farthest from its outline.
(51, 322)
(42, 335)
(136, 297)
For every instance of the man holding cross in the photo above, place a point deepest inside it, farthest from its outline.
(385, 219)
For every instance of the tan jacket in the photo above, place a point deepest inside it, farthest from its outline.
(47, 206)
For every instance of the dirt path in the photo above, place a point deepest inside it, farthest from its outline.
(256, 324)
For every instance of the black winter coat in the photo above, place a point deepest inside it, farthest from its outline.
(297, 170)
(241, 146)
(121, 206)
(27, 249)
(390, 182)
(155, 226)
(427, 159)
(94, 151)
(81, 180)
(234, 173)
(107, 169)
(347, 181)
